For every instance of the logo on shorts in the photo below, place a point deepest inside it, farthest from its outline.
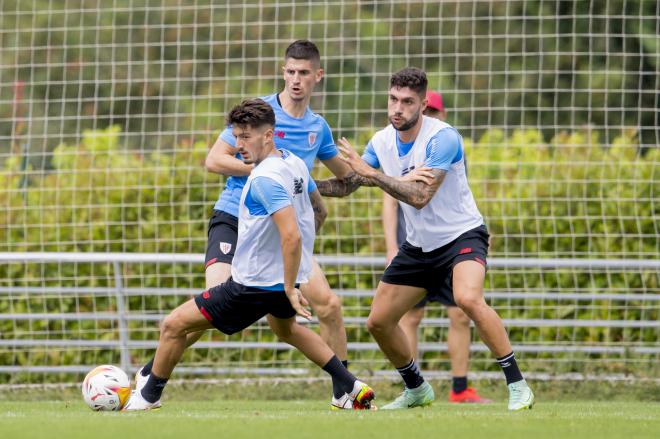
(206, 294)
(311, 137)
(465, 251)
(225, 247)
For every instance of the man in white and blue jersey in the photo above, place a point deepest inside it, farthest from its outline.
(446, 239)
(308, 136)
(273, 257)
(459, 333)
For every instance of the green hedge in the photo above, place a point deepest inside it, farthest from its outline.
(571, 197)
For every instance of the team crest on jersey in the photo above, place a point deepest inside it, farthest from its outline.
(311, 137)
(225, 247)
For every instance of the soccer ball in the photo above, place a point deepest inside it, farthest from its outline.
(106, 388)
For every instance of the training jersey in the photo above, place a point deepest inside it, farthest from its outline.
(307, 137)
(452, 211)
(280, 182)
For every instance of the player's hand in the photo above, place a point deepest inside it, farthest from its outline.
(298, 302)
(422, 174)
(352, 158)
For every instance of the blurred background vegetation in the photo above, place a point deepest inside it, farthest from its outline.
(107, 112)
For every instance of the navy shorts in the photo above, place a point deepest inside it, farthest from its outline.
(222, 236)
(433, 270)
(232, 307)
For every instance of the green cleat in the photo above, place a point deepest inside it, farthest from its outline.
(419, 397)
(520, 396)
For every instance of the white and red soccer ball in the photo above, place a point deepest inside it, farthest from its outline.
(106, 388)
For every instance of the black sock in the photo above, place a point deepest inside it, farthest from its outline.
(342, 379)
(153, 388)
(510, 368)
(458, 384)
(411, 375)
(146, 369)
(345, 363)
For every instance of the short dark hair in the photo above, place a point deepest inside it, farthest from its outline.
(411, 77)
(252, 112)
(303, 49)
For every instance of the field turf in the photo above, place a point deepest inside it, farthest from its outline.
(312, 419)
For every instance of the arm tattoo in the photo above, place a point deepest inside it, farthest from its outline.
(320, 212)
(335, 187)
(415, 193)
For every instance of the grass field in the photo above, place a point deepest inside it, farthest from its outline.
(312, 419)
(274, 409)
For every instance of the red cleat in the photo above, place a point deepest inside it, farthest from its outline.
(468, 395)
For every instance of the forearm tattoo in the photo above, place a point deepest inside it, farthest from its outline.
(320, 212)
(415, 193)
(335, 187)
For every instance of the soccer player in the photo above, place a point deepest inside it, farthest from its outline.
(446, 239)
(308, 136)
(278, 215)
(458, 337)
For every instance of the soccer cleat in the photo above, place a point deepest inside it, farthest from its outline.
(520, 396)
(359, 399)
(468, 395)
(420, 397)
(137, 402)
(140, 380)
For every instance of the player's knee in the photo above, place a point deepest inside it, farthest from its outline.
(376, 325)
(283, 332)
(172, 326)
(470, 303)
(329, 308)
(459, 319)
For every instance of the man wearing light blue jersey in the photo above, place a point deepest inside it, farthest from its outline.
(308, 136)
(278, 215)
(446, 238)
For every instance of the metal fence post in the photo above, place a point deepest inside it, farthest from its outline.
(121, 314)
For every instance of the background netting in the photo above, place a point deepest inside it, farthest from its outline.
(107, 110)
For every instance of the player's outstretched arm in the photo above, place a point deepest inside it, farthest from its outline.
(291, 245)
(416, 193)
(346, 181)
(320, 212)
(221, 159)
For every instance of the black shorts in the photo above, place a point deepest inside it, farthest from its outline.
(433, 270)
(222, 236)
(232, 307)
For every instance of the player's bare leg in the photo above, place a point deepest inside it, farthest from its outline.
(410, 325)
(348, 391)
(215, 275)
(468, 283)
(183, 320)
(468, 280)
(389, 305)
(458, 346)
(458, 341)
(327, 307)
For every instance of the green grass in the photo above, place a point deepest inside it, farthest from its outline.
(312, 419)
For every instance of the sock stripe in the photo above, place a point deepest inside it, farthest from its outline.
(505, 358)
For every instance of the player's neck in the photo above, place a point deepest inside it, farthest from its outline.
(293, 108)
(411, 134)
(272, 153)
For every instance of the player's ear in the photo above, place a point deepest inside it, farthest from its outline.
(319, 75)
(269, 134)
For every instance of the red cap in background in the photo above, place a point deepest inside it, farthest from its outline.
(434, 101)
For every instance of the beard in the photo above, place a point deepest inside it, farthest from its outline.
(409, 124)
